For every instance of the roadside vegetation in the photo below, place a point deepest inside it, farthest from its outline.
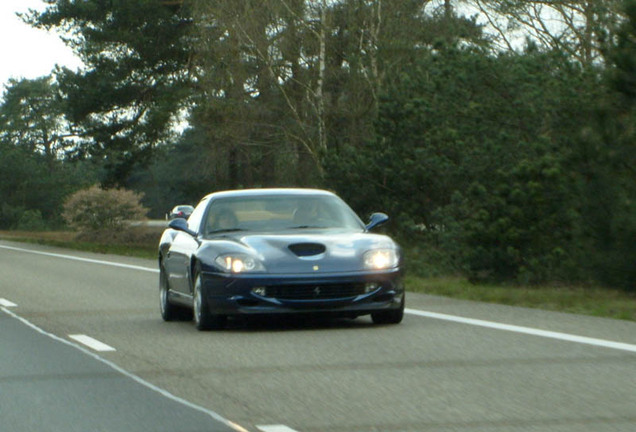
(585, 300)
(141, 242)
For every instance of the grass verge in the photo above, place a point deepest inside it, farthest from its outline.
(594, 301)
(134, 247)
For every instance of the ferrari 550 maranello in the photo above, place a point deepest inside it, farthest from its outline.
(278, 251)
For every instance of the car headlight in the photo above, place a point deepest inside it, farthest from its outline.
(239, 263)
(380, 259)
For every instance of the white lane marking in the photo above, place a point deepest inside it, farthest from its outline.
(88, 260)
(526, 330)
(7, 303)
(470, 321)
(130, 375)
(102, 347)
(93, 344)
(275, 428)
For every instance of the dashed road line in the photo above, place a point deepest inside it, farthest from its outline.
(130, 375)
(275, 428)
(99, 346)
(470, 321)
(93, 344)
(7, 303)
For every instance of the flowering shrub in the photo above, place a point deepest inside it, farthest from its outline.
(96, 209)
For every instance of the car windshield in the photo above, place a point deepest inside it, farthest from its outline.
(279, 213)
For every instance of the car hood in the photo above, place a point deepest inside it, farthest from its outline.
(307, 252)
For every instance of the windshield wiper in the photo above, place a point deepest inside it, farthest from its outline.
(307, 226)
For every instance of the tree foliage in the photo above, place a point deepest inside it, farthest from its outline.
(472, 148)
(35, 138)
(581, 29)
(608, 158)
(128, 96)
(499, 134)
(32, 117)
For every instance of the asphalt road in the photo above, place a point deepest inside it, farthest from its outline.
(48, 385)
(450, 366)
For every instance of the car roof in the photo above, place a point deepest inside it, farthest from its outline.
(268, 192)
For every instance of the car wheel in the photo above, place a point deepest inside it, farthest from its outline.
(391, 316)
(203, 319)
(168, 310)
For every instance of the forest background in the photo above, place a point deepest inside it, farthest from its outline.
(500, 135)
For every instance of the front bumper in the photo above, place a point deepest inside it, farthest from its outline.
(346, 294)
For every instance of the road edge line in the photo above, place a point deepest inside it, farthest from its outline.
(526, 330)
(130, 375)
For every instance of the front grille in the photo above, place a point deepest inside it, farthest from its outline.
(315, 292)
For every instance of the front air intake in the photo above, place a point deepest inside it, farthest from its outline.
(307, 249)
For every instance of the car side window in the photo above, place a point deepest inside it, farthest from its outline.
(194, 222)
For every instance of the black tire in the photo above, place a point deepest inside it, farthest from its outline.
(169, 312)
(391, 316)
(203, 319)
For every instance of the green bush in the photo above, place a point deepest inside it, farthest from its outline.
(522, 229)
(97, 210)
(31, 220)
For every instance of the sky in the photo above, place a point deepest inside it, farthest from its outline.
(26, 52)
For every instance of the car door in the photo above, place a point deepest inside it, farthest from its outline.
(177, 261)
(181, 250)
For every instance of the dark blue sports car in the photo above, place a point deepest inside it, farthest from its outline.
(271, 251)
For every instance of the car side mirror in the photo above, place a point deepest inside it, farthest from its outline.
(377, 219)
(181, 224)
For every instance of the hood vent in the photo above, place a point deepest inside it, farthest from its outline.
(307, 249)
